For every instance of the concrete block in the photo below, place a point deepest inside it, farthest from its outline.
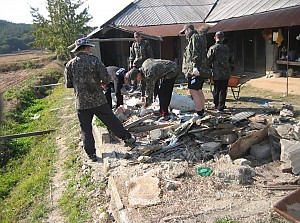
(160, 133)
(293, 154)
(210, 147)
(285, 145)
(297, 132)
(261, 150)
(236, 174)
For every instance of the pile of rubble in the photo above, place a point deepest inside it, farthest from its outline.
(269, 135)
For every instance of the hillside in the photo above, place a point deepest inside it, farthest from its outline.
(14, 37)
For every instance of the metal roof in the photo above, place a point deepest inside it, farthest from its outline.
(226, 9)
(278, 18)
(163, 30)
(161, 12)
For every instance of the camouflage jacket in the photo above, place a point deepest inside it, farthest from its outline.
(139, 52)
(195, 56)
(155, 69)
(219, 56)
(84, 73)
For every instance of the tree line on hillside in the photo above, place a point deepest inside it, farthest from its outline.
(14, 37)
(66, 21)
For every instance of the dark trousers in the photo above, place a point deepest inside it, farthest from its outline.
(165, 95)
(219, 93)
(117, 85)
(105, 114)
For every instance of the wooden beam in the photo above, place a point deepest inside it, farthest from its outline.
(49, 85)
(148, 127)
(8, 137)
(137, 122)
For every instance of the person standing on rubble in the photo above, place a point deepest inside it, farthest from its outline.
(87, 75)
(151, 71)
(195, 65)
(219, 59)
(117, 80)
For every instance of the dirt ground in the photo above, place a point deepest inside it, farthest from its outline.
(204, 199)
(194, 198)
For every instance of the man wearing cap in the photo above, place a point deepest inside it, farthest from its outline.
(117, 80)
(219, 57)
(139, 51)
(87, 75)
(195, 65)
(151, 71)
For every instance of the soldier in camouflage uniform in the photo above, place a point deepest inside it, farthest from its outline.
(195, 65)
(151, 71)
(219, 57)
(139, 51)
(87, 75)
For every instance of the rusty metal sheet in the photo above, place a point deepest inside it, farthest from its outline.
(278, 18)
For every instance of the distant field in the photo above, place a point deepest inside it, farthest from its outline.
(23, 56)
(15, 68)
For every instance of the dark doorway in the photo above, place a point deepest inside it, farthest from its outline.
(249, 47)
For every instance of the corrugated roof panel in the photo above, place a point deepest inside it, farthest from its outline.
(256, 7)
(291, 3)
(150, 16)
(136, 18)
(278, 4)
(164, 14)
(235, 8)
(203, 2)
(184, 14)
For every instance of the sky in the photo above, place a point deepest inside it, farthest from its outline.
(18, 11)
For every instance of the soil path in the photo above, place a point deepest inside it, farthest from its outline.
(281, 84)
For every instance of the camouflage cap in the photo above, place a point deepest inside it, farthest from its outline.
(81, 42)
(220, 34)
(132, 74)
(187, 26)
(137, 34)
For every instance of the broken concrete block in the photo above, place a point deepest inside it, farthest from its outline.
(261, 150)
(242, 162)
(210, 147)
(143, 191)
(236, 174)
(286, 113)
(297, 132)
(159, 133)
(228, 139)
(293, 154)
(285, 145)
(285, 131)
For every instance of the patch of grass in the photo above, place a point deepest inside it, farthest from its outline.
(226, 220)
(28, 166)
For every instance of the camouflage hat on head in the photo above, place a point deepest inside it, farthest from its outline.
(132, 74)
(187, 26)
(137, 34)
(220, 34)
(81, 42)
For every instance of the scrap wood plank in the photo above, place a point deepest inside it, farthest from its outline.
(146, 128)
(240, 147)
(137, 122)
(48, 85)
(7, 137)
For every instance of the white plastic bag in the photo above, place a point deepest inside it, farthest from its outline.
(182, 103)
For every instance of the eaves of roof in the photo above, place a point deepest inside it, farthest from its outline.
(278, 18)
(161, 30)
